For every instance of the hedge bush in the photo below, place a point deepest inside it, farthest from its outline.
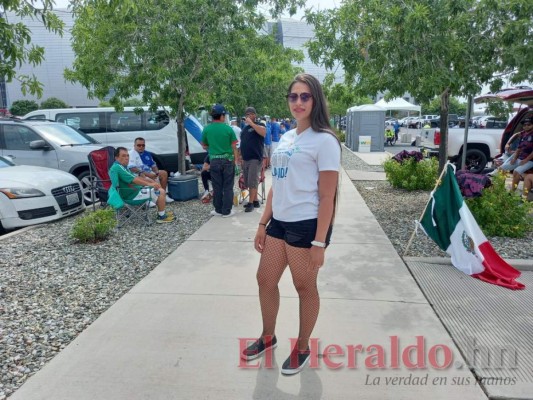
(411, 174)
(94, 227)
(500, 212)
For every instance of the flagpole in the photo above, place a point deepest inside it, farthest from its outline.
(437, 183)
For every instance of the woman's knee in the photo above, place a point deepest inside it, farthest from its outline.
(305, 286)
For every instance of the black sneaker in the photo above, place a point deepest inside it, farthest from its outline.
(257, 348)
(256, 204)
(248, 207)
(295, 362)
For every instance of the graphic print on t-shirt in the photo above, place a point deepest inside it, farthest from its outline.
(281, 157)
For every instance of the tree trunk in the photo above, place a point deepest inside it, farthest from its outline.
(443, 148)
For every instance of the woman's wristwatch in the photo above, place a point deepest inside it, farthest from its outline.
(318, 244)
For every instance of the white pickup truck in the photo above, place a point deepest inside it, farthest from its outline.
(483, 145)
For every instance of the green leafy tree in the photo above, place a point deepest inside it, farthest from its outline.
(171, 53)
(134, 103)
(22, 107)
(341, 96)
(15, 40)
(428, 48)
(53, 102)
(454, 107)
(500, 109)
(260, 76)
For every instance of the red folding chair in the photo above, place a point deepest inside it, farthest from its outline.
(99, 163)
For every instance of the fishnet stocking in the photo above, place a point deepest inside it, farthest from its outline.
(305, 283)
(274, 259)
(271, 266)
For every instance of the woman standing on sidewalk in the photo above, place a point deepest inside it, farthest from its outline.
(297, 222)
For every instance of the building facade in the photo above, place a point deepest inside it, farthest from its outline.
(58, 55)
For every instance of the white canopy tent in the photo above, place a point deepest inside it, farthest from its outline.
(398, 104)
(366, 107)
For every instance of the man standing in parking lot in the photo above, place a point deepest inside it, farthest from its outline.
(252, 147)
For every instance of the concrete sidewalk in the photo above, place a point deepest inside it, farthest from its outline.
(176, 334)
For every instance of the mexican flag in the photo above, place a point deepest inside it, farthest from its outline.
(448, 221)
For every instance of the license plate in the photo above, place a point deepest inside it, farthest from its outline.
(72, 199)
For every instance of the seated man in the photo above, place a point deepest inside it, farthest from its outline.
(522, 159)
(143, 164)
(130, 185)
(206, 176)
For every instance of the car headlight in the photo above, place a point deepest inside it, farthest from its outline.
(21, 193)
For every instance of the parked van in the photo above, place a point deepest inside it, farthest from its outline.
(113, 128)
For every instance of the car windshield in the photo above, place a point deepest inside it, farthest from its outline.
(4, 163)
(64, 135)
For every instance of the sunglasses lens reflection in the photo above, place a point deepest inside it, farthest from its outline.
(304, 97)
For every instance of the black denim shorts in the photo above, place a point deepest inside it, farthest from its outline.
(297, 234)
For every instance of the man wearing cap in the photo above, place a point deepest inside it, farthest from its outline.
(252, 144)
(522, 159)
(220, 141)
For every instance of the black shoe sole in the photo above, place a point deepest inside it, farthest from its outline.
(293, 371)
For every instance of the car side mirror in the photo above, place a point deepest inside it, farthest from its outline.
(39, 145)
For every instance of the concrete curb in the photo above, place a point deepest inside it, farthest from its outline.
(18, 231)
(522, 265)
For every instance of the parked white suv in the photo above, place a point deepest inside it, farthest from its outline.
(48, 144)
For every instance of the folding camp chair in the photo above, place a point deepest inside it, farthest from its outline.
(261, 190)
(130, 211)
(99, 163)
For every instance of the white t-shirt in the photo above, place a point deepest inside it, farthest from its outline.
(237, 131)
(135, 160)
(296, 164)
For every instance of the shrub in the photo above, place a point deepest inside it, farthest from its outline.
(53, 102)
(341, 135)
(20, 108)
(94, 227)
(412, 175)
(500, 212)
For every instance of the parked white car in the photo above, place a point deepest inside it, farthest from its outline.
(32, 195)
(49, 144)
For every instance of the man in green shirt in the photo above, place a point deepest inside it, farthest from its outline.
(129, 184)
(220, 141)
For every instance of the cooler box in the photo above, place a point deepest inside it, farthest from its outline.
(183, 187)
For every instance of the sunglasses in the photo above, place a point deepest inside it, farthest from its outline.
(527, 123)
(140, 145)
(304, 97)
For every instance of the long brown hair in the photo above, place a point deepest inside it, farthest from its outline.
(319, 117)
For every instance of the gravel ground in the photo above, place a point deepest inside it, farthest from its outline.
(52, 288)
(396, 210)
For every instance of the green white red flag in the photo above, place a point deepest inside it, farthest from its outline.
(448, 221)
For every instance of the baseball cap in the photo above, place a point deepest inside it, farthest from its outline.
(218, 109)
(527, 121)
(250, 110)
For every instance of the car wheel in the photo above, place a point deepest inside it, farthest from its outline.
(476, 161)
(86, 185)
